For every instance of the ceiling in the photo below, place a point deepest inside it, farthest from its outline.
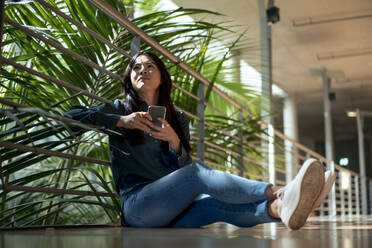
(343, 47)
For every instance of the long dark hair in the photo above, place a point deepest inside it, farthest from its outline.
(132, 100)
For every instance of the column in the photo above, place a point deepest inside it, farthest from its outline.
(332, 195)
(241, 146)
(290, 124)
(328, 135)
(327, 116)
(266, 87)
(342, 193)
(370, 196)
(237, 74)
(357, 199)
(200, 123)
(362, 163)
(349, 198)
(2, 8)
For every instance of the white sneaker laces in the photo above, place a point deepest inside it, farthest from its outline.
(280, 192)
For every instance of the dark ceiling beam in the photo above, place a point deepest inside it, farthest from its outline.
(337, 17)
(344, 54)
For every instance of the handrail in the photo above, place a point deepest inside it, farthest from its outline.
(10, 145)
(197, 98)
(54, 80)
(37, 150)
(10, 187)
(53, 116)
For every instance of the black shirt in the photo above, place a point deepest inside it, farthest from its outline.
(133, 165)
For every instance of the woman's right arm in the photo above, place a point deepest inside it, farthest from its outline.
(136, 120)
(108, 116)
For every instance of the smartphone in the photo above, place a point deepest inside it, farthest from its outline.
(156, 112)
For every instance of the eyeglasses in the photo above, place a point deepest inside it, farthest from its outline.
(150, 67)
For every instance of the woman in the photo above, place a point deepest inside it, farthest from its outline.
(160, 186)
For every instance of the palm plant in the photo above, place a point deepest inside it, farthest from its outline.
(33, 126)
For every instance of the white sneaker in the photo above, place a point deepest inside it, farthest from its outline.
(297, 198)
(329, 179)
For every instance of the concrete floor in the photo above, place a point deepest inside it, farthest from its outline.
(318, 232)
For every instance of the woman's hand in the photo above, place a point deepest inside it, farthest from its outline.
(166, 133)
(136, 120)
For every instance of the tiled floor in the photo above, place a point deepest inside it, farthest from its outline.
(318, 232)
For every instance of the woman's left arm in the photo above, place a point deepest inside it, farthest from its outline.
(167, 133)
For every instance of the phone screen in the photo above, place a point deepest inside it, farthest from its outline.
(156, 112)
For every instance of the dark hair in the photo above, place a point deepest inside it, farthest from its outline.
(132, 100)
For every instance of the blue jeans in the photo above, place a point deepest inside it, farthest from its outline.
(197, 195)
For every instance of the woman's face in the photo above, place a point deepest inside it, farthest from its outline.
(145, 75)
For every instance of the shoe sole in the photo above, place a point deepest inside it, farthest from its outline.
(311, 187)
(327, 188)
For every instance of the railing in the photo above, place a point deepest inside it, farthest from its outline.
(288, 155)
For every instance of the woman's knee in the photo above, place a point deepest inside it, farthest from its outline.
(133, 216)
(196, 170)
(198, 166)
(147, 217)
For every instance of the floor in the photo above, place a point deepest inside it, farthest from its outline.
(318, 232)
